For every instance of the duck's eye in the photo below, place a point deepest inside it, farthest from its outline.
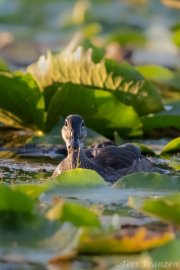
(82, 125)
(65, 125)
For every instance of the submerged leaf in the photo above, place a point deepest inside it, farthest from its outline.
(149, 180)
(166, 208)
(172, 146)
(126, 240)
(79, 178)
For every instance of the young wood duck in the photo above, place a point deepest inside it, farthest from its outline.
(110, 161)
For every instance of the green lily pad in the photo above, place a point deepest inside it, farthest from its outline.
(149, 180)
(166, 208)
(79, 178)
(161, 75)
(77, 214)
(172, 146)
(21, 96)
(169, 118)
(33, 191)
(78, 68)
(167, 254)
(16, 201)
(101, 109)
(127, 36)
(155, 72)
(145, 149)
(3, 65)
(176, 37)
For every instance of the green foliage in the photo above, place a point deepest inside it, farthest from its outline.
(20, 95)
(145, 149)
(79, 178)
(3, 65)
(176, 37)
(31, 190)
(161, 75)
(78, 68)
(165, 119)
(127, 36)
(103, 86)
(166, 208)
(167, 254)
(101, 109)
(74, 213)
(14, 200)
(155, 181)
(172, 146)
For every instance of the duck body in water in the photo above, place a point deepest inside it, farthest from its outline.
(110, 161)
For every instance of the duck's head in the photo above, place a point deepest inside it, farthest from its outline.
(74, 132)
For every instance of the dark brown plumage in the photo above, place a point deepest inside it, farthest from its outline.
(109, 160)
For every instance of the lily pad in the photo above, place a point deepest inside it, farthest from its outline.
(33, 191)
(21, 96)
(169, 118)
(79, 178)
(167, 255)
(126, 240)
(155, 72)
(161, 75)
(172, 146)
(101, 109)
(144, 148)
(150, 181)
(166, 208)
(77, 214)
(127, 36)
(11, 200)
(78, 68)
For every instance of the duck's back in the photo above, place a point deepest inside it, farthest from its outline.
(116, 157)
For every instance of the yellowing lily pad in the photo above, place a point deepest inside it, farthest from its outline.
(127, 240)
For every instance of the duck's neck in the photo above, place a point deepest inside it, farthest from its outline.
(74, 158)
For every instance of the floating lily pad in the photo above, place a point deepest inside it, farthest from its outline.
(172, 146)
(167, 254)
(161, 75)
(79, 178)
(127, 36)
(149, 181)
(145, 149)
(166, 208)
(129, 240)
(11, 200)
(77, 214)
(169, 118)
(33, 191)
